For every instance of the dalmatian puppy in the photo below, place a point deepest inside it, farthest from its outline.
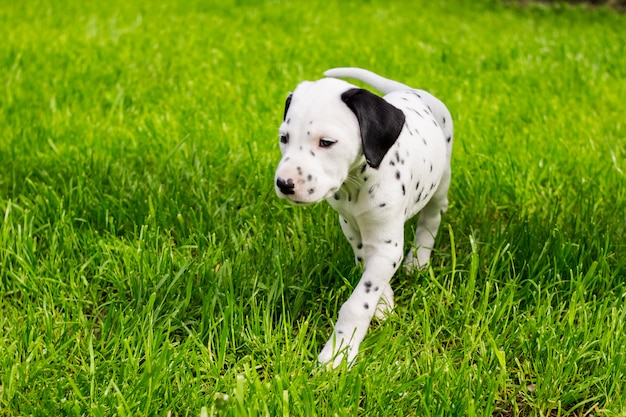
(378, 161)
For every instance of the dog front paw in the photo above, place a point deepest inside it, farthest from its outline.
(336, 350)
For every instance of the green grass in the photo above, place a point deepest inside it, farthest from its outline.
(147, 268)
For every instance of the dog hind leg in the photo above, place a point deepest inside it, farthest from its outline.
(427, 227)
(385, 304)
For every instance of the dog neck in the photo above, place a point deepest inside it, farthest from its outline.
(353, 184)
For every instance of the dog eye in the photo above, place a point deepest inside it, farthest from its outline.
(326, 143)
(284, 139)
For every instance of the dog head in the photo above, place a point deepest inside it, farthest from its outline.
(328, 125)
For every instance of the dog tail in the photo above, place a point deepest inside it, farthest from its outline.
(380, 83)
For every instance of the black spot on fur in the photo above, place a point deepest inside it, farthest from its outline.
(366, 306)
(388, 241)
(397, 175)
(417, 112)
(449, 139)
(403, 190)
(311, 190)
(382, 204)
(375, 289)
(360, 245)
(309, 177)
(312, 153)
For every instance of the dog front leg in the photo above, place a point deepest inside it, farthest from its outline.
(353, 235)
(356, 313)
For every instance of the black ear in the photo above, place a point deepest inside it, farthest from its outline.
(287, 104)
(380, 123)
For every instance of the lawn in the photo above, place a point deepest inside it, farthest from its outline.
(147, 267)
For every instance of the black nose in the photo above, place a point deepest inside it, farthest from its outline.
(285, 186)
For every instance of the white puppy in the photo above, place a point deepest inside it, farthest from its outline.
(378, 162)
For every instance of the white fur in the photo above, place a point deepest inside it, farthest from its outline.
(373, 203)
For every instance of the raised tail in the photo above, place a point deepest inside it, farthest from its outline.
(382, 84)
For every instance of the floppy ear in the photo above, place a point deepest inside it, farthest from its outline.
(287, 104)
(380, 123)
